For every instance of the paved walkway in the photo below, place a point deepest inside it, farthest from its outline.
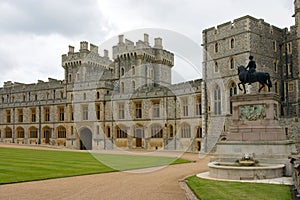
(157, 184)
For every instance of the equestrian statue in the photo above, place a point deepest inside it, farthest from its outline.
(251, 76)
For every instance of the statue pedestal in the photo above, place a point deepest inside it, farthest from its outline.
(255, 129)
(255, 118)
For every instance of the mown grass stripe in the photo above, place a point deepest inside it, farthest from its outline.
(18, 165)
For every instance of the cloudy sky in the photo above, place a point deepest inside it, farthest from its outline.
(34, 33)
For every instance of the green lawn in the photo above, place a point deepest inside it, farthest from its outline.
(225, 190)
(17, 165)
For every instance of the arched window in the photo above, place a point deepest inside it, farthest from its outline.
(108, 131)
(156, 131)
(20, 132)
(216, 47)
(232, 43)
(216, 66)
(217, 101)
(233, 91)
(122, 71)
(171, 133)
(70, 78)
(132, 70)
(275, 66)
(8, 133)
(61, 132)
(33, 133)
(84, 96)
(133, 86)
(185, 131)
(231, 63)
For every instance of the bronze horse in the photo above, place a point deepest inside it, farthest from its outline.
(261, 77)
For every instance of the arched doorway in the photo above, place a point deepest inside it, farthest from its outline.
(47, 134)
(86, 139)
(139, 135)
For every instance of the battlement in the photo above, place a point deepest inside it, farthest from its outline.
(86, 55)
(243, 24)
(127, 48)
(15, 87)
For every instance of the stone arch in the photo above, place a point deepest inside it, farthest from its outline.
(33, 132)
(46, 134)
(20, 132)
(7, 132)
(61, 132)
(86, 136)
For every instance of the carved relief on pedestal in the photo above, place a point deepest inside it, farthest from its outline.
(252, 112)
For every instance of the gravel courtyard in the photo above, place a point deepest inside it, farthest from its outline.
(152, 184)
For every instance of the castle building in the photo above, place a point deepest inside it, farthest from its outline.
(129, 101)
(275, 51)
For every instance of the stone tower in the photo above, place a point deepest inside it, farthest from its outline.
(138, 65)
(76, 64)
(226, 47)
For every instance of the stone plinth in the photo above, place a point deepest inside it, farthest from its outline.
(255, 129)
(255, 118)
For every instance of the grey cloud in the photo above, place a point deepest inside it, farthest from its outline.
(65, 17)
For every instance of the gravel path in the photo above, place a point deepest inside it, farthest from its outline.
(156, 184)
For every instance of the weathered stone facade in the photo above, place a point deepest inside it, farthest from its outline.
(129, 102)
(275, 51)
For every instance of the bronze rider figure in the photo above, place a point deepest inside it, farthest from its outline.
(251, 69)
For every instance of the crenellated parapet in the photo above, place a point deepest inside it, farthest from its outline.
(85, 56)
(142, 49)
(241, 25)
